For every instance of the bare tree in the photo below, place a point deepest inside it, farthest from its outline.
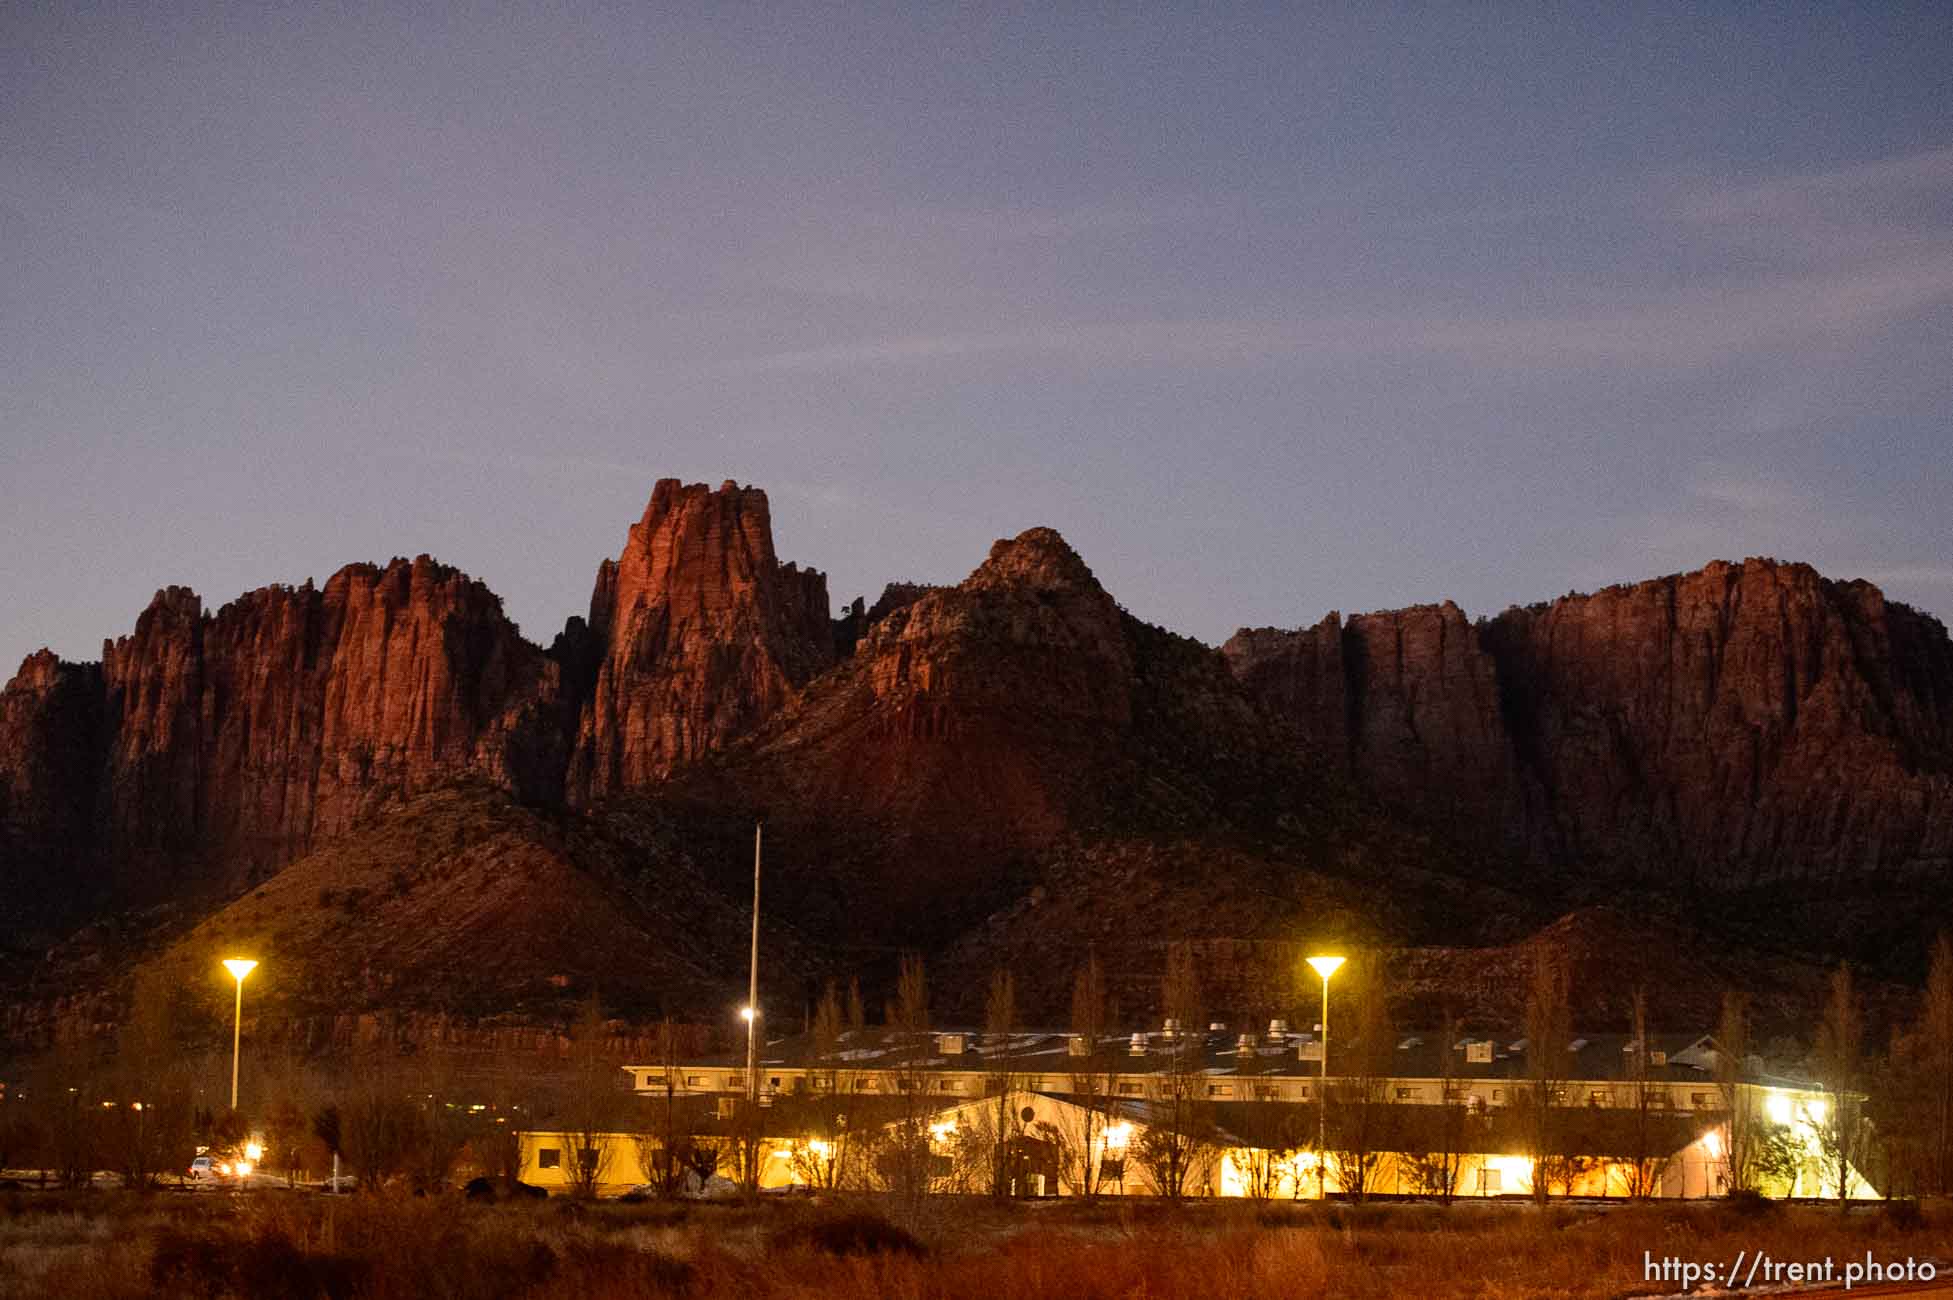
(589, 1103)
(1840, 1051)
(1364, 1113)
(826, 1156)
(514, 1103)
(904, 1158)
(1002, 1127)
(1177, 1149)
(64, 1093)
(1435, 1172)
(1547, 1031)
(380, 1128)
(1936, 1064)
(148, 1110)
(1085, 1164)
(1647, 1158)
(658, 1140)
(445, 1124)
(1740, 1120)
(1898, 1113)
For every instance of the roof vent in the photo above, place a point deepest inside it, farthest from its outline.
(1578, 1044)
(1139, 1043)
(951, 1044)
(1310, 1049)
(1658, 1058)
(1245, 1044)
(1278, 1029)
(1217, 1026)
(1408, 1043)
(1078, 1045)
(1172, 1027)
(1478, 1053)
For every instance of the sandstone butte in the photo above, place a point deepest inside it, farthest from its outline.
(1738, 725)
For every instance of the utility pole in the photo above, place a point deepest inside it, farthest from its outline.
(750, 1138)
(752, 982)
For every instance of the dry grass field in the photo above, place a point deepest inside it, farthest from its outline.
(107, 1246)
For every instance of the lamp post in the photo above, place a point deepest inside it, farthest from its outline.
(239, 967)
(750, 1013)
(1325, 967)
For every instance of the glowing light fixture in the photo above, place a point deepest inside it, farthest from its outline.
(746, 1014)
(1324, 966)
(1777, 1107)
(1817, 1108)
(239, 967)
(1117, 1136)
(253, 1152)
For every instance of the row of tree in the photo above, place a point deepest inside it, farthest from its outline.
(145, 1108)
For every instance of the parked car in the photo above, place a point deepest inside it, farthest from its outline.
(201, 1169)
(343, 1184)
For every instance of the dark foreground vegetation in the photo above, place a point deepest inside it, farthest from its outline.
(107, 1246)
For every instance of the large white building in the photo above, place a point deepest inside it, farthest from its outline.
(1465, 1112)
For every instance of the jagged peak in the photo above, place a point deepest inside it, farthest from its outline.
(38, 671)
(1037, 559)
(668, 492)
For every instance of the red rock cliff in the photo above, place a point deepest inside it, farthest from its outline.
(50, 765)
(1744, 723)
(1408, 699)
(698, 634)
(1747, 722)
(230, 742)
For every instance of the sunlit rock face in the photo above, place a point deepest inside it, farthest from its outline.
(1749, 722)
(698, 633)
(1741, 724)
(208, 748)
(236, 739)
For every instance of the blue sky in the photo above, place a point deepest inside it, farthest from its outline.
(1270, 311)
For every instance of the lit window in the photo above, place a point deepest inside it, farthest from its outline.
(1130, 1089)
(1698, 1099)
(549, 1158)
(1220, 1090)
(694, 1081)
(1406, 1094)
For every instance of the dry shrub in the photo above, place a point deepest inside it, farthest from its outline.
(854, 1233)
(604, 1268)
(117, 1248)
(250, 1268)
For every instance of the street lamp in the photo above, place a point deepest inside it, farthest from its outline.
(1325, 967)
(239, 967)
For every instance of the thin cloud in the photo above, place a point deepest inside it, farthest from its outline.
(1686, 328)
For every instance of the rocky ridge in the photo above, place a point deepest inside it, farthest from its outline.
(1013, 763)
(1729, 728)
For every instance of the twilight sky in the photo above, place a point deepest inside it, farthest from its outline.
(1268, 311)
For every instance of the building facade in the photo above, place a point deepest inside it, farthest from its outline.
(1217, 1113)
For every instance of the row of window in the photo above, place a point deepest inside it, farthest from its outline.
(1658, 1096)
